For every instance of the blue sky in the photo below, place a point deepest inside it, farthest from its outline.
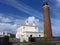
(15, 12)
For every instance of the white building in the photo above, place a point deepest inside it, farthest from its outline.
(26, 30)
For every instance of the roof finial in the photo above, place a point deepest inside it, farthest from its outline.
(45, 2)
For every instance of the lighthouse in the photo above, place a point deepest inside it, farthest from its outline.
(47, 22)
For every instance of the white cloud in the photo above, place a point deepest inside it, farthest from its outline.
(9, 27)
(3, 19)
(7, 19)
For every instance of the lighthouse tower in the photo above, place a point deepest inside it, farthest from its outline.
(47, 23)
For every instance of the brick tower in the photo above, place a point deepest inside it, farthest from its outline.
(47, 23)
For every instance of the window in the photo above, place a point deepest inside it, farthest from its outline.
(30, 35)
(39, 35)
